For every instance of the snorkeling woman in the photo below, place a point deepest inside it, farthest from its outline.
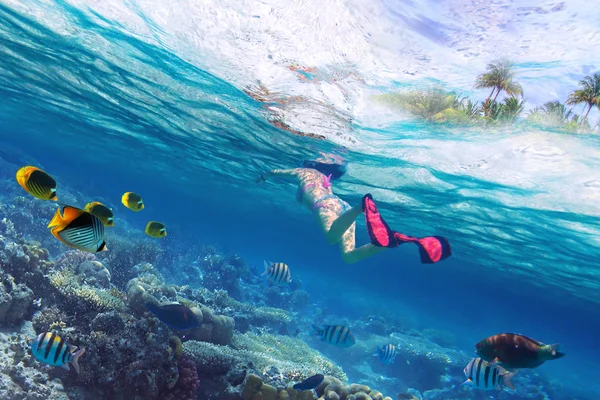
(337, 219)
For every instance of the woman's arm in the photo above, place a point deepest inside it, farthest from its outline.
(284, 172)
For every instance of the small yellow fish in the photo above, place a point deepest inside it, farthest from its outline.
(37, 183)
(133, 201)
(156, 229)
(101, 211)
(78, 229)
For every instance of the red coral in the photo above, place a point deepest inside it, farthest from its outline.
(188, 382)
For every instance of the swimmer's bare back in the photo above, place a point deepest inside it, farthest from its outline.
(312, 184)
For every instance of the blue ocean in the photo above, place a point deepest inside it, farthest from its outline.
(193, 105)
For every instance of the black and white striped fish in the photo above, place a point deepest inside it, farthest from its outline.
(278, 273)
(336, 335)
(387, 353)
(51, 349)
(483, 375)
(78, 229)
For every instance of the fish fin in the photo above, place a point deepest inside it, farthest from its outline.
(75, 359)
(152, 307)
(57, 220)
(507, 380)
(495, 361)
(103, 247)
(467, 382)
(266, 268)
(70, 213)
(65, 366)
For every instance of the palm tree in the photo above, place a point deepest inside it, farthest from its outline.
(500, 78)
(552, 113)
(511, 109)
(589, 94)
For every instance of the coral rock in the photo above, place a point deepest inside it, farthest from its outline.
(222, 331)
(15, 301)
(109, 322)
(356, 388)
(94, 273)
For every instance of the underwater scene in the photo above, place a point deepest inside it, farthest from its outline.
(269, 200)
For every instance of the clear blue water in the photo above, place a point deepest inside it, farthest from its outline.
(107, 112)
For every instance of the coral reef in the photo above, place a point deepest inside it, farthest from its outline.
(251, 342)
(15, 300)
(222, 273)
(330, 389)
(279, 358)
(71, 286)
(187, 383)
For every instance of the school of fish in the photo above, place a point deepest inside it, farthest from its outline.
(82, 229)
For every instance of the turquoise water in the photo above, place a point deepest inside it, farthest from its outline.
(108, 111)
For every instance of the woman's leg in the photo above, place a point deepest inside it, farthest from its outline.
(333, 226)
(351, 254)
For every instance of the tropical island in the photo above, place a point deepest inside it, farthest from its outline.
(438, 105)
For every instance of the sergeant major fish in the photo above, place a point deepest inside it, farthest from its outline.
(278, 273)
(49, 348)
(336, 335)
(483, 375)
(37, 183)
(78, 229)
(387, 353)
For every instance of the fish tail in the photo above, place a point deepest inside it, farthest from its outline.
(556, 353)
(507, 380)
(153, 308)
(317, 330)
(75, 359)
(266, 268)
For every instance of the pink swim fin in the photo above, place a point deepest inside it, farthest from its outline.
(431, 248)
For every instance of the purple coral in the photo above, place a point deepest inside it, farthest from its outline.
(188, 382)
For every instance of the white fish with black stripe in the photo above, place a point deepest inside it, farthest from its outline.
(482, 375)
(386, 353)
(336, 335)
(277, 273)
(49, 348)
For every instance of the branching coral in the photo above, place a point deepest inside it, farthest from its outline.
(283, 358)
(67, 284)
